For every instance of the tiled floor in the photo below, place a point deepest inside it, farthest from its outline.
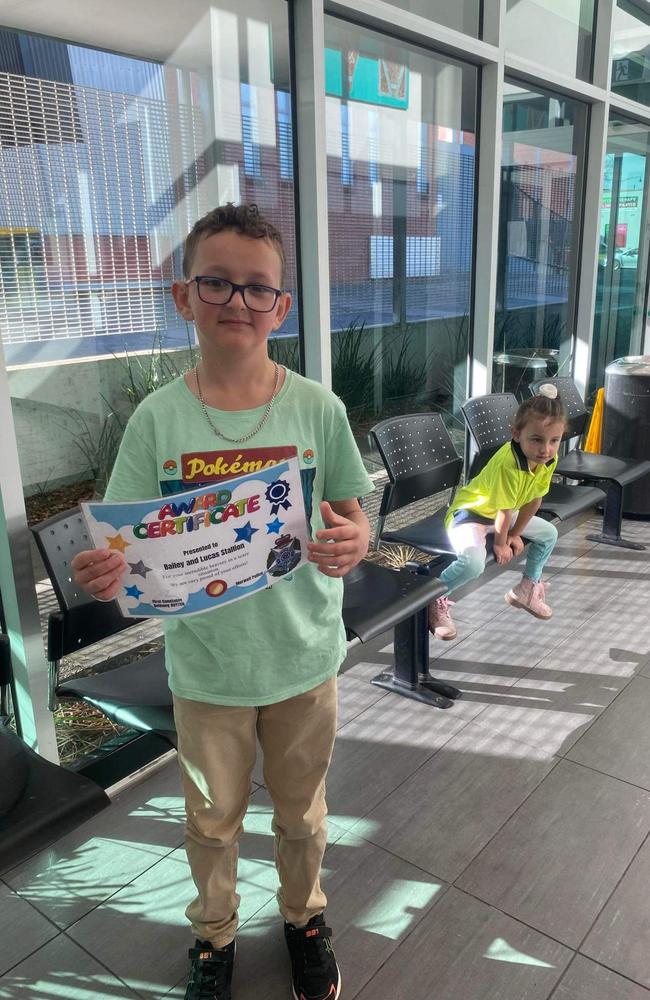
(498, 850)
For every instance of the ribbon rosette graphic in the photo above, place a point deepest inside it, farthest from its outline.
(277, 494)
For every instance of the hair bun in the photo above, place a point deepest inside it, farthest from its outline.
(548, 389)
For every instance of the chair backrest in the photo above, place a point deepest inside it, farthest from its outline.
(576, 410)
(86, 621)
(489, 422)
(419, 457)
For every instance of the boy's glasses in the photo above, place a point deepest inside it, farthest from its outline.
(219, 291)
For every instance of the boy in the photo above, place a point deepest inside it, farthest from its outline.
(265, 666)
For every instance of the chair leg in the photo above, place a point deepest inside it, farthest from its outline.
(612, 520)
(410, 676)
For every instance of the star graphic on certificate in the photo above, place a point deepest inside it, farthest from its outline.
(134, 591)
(246, 533)
(117, 542)
(139, 569)
(273, 527)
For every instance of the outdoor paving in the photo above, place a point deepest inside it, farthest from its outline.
(498, 850)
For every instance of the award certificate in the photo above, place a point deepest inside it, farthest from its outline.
(195, 551)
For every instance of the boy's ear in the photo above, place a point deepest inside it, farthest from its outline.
(182, 300)
(283, 308)
(516, 433)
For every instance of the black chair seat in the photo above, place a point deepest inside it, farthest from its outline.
(428, 534)
(564, 502)
(376, 599)
(40, 801)
(135, 695)
(586, 465)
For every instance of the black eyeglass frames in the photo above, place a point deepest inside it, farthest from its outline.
(219, 291)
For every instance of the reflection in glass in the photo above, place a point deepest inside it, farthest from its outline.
(107, 161)
(623, 252)
(401, 176)
(553, 33)
(541, 177)
(630, 47)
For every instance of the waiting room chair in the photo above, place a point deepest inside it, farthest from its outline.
(421, 461)
(135, 695)
(489, 421)
(614, 473)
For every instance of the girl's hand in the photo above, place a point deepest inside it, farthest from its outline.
(502, 553)
(99, 572)
(340, 546)
(516, 544)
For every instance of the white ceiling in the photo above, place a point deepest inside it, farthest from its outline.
(164, 30)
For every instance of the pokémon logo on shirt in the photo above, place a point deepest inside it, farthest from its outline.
(170, 467)
(308, 456)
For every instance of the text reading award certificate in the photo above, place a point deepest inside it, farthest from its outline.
(195, 551)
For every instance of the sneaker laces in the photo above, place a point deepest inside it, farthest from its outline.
(443, 604)
(314, 942)
(210, 971)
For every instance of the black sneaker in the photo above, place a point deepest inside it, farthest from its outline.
(314, 972)
(211, 972)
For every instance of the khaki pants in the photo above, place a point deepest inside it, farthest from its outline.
(216, 752)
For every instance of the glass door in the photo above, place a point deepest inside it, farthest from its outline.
(621, 290)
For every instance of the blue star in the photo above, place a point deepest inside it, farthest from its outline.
(134, 591)
(246, 533)
(273, 527)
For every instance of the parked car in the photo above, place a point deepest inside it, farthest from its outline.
(626, 258)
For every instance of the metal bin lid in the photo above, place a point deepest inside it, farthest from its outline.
(638, 364)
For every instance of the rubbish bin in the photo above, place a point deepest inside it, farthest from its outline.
(626, 423)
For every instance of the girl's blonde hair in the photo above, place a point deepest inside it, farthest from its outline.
(547, 405)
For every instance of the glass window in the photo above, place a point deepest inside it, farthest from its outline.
(630, 63)
(463, 15)
(553, 33)
(623, 250)
(541, 180)
(400, 223)
(106, 162)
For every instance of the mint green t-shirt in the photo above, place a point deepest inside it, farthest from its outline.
(504, 483)
(287, 639)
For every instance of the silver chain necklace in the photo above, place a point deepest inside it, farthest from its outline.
(265, 415)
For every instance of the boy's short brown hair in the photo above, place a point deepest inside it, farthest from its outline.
(244, 219)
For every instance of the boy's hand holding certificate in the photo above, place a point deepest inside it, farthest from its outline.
(198, 550)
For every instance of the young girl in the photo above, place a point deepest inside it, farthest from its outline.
(503, 500)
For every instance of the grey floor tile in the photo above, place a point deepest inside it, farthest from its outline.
(465, 950)
(585, 980)
(618, 743)
(483, 604)
(356, 693)
(374, 901)
(154, 951)
(589, 650)
(556, 861)
(88, 865)
(62, 969)
(513, 638)
(381, 747)
(442, 816)
(22, 928)
(551, 709)
(619, 938)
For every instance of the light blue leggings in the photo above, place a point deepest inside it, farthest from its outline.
(468, 540)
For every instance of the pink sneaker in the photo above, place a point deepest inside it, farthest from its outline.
(529, 595)
(440, 620)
